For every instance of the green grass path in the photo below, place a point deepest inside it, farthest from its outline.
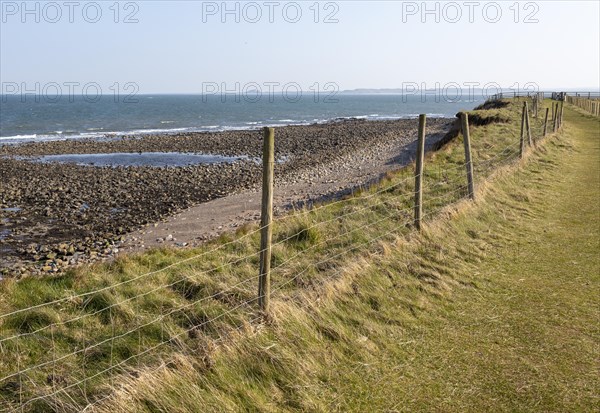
(527, 339)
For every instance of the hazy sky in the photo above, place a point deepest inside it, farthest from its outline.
(179, 46)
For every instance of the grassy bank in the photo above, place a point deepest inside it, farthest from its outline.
(478, 313)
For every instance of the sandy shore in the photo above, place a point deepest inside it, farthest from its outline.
(53, 215)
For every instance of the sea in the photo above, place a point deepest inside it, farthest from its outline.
(38, 118)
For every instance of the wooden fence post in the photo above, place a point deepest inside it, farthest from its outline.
(560, 118)
(555, 119)
(546, 122)
(266, 233)
(464, 117)
(419, 173)
(558, 107)
(528, 125)
(522, 142)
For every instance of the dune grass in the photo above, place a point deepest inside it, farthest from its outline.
(367, 314)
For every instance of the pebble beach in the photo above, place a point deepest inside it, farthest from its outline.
(58, 211)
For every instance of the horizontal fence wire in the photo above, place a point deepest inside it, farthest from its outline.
(277, 290)
(120, 284)
(148, 350)
(362, 246)
(207, 271)
(178, 309)
(205, 253)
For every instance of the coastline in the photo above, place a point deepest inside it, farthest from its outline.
(99, 134)
(65, 214)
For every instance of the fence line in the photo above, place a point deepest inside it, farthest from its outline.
(402, 209)
(230, 263)
(541, 95)
(590, 105)
(277, 291)
(120, 284)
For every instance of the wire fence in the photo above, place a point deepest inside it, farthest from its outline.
(545, 95)
(64, 350)
(590, 104)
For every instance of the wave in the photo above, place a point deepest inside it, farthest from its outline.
(34, 136)
(15, 139)
(100, 133)
(412, 116)
(146, 131)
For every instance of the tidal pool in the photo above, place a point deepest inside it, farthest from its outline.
(155, 159)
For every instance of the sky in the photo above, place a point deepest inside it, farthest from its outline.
(191, 46)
